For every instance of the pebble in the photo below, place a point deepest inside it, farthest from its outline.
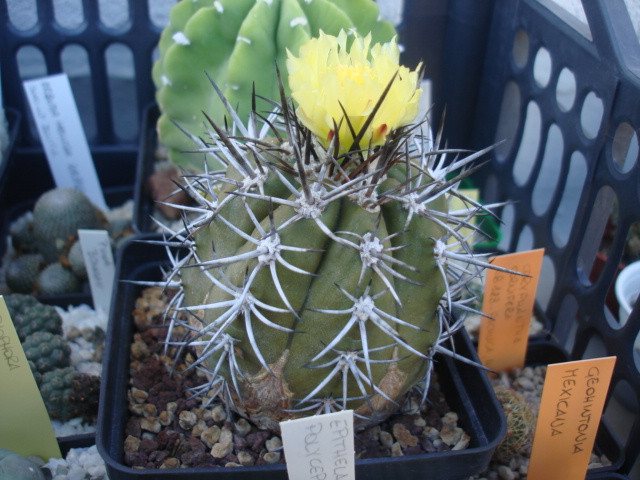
(245, 459)
(170, 462)
(505, 473)
(386, 439)
(404, 436)
(150, 424)
(211, 436)
(218, 414)
(243, 427)
(139, 396)
(187, 419)
(396, 450)
(166, 418)
(221, 450)
(271, 457)
(273, 444)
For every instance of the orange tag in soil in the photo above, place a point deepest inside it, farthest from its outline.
(25, 427)
(570, 409)
(508, 300)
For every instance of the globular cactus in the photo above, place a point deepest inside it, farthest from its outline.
(47, 351)
(521, 424)
(322, 267)
(57, 216)
(22, 272)
(55, 279)
(238, 42)
(30, 316)
(68, 393)
(75, 260)
(21, 233)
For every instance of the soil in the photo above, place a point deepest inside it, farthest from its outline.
(169, 429)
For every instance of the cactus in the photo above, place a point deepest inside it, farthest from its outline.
(238, 43)
(57, 280)
(75, 260)
(23, 271)
(57, 216)
(47, 351)
(322, 267)
(68, 393)
(30, 316)
(521, 423)
(21, 233)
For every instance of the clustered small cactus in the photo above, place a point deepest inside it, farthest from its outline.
(238, 43)
(48, 258)
(67, 393)
(521, 424)
(322, 266)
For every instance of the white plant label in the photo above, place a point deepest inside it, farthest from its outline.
(320, 447)
(65, 144)
(98, 258)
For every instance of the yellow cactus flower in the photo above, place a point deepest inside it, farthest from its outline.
(325, 76)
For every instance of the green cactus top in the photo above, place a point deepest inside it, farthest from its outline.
(30, 316)
(47, 351)
(238, 43)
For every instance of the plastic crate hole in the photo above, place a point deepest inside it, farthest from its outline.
(31, 64)
(68, 14)
(547, 282)
(525, 239)
(542, 67)
(566, 322)
(625, 147)
(566, 90)
(120, 69)
(114, 14)
(591, 115)
(506, 219)
(621, 410)
(521, 48)
(508, 121)
(598, 235)
(529, 145)
(159, 12)
(571, 194)
(23, 14)
(75, 63)
(549, 175)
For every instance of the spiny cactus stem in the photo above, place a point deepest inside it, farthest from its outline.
(222, 136)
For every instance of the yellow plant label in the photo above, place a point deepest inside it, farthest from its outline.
(25, 427)
(320, 447)
(572, 400)
(508, 301)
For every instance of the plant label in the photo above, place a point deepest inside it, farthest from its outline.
(98, 258)
(572, 400)
(25, 427)
(320, 447)
(508, 301)
(56, 117)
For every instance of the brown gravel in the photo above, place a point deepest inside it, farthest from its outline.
(166, 429)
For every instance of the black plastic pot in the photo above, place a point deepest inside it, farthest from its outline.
(467, 391)
(607, 443)
(144, 205)
(13, 119)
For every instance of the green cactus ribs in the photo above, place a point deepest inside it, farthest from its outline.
(238, 42)
(313, 280)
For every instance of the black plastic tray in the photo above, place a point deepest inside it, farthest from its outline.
(144, 205)
(466, 389)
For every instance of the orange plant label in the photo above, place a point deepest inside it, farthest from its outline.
(508, 300)
(572, 400)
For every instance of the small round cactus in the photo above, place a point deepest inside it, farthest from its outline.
(47, 351)
(21, 233)
(75, 259)
(57, 280)
(521, 423)
(57, 216)
(30, 316)
(68, 393)
(14, 466)
(22, 272)
(238, 43)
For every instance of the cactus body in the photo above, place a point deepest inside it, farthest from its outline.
(30, 316)
(22, 272)
(57, 280)
(68, 393)
(238, 42)
(319, 273)
(47, 351)
(57, 216)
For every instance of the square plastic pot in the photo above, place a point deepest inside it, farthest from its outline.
(466, 389)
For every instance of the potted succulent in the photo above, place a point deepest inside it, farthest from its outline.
(322, 264)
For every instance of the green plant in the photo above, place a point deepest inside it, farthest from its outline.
(68, 393)
(323, 266)
(30, 316)
(521, 423)
(238, 42)
(47, 351)
(23, 271)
